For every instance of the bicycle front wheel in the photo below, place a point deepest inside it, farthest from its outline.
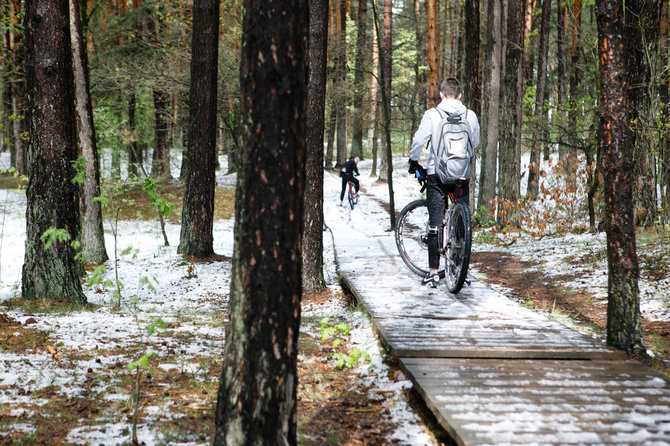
(411, 237)
(457, 246)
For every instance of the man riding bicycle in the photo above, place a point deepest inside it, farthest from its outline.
(436, 193)
(347, 174)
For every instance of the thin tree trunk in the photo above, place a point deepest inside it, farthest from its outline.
(574, 82)
(473, 92)
(540, 110)
(359, 79)
(386, 53)
(510, 121)
(624, 326)
(664, 94)
(643, 28)
(160, 167)
(341, 91)
(433, 36)
(90, 212)
(332, 124)
(561, 80)
(257, 396)
(135, 158)
(6, 125)
(489, 168)
(312, 241)
(196, 237)
(51, 272)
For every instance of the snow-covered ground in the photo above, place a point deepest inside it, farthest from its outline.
(157, 283)
(193, 297)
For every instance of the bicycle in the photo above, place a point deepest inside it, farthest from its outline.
(455, 240)
(352, 196)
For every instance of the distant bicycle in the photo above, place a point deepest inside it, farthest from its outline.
(455, 240)
(352, 196)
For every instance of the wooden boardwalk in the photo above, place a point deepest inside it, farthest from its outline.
(494, 372)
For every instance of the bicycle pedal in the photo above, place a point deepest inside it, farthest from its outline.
(467, 282)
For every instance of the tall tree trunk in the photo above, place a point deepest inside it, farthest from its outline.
(473, 79)
(359, 79)
(374, 103)
(664, 95)
(433, 37)
(575, 69)
(332, 124)
(196, 237)
(160, 167)
(90, 212)
(6, 125)
(561, 81)
(489, 168)
(643, 28)
(257, 394)
(510, 121)
(341, 90)
(419, 74)
(385, 36)
(624, 327)
(312, 241)
(51, 272)
(135, 155)
(540, 109)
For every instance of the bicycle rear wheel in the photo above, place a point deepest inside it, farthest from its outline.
(411, 237)
(457, 246)
(350, 194)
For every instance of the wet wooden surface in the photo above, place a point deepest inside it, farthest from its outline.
(494, 372)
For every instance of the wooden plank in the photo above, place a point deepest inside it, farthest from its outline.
(473, 338)
(538, 402)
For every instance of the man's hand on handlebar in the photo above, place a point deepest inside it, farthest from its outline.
(419, 172)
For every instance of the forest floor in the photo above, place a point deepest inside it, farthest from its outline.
(64, 376)
(521, 280)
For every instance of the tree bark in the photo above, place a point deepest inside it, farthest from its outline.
(510, 121)
(642, 27)
(489, 168)
(312, 241)
(540, 110)
(6, 126)
(433, 36)
(575, 56)
(257, 394)
(624, 328)
(473, 79)
(135, 155)
(50, 273)
(386, 64)
(664, 95)
(196, 237)
(90, 212)
(341, 92)
(561, 80)
(359, 79)
(160, 167)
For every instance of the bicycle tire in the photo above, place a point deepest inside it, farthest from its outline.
(411, 235)
(350, 195)
(457, 246)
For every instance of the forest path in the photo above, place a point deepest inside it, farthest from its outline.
(491, 370)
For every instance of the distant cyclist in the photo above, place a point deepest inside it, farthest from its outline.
(347, 174)
(436, 193)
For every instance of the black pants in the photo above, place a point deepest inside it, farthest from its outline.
(436, 195)
(345, 179)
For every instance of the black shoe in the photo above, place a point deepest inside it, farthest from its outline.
(431, 279)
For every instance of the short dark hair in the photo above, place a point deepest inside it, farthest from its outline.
(450, 87)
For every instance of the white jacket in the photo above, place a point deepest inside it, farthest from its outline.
(431, 118)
